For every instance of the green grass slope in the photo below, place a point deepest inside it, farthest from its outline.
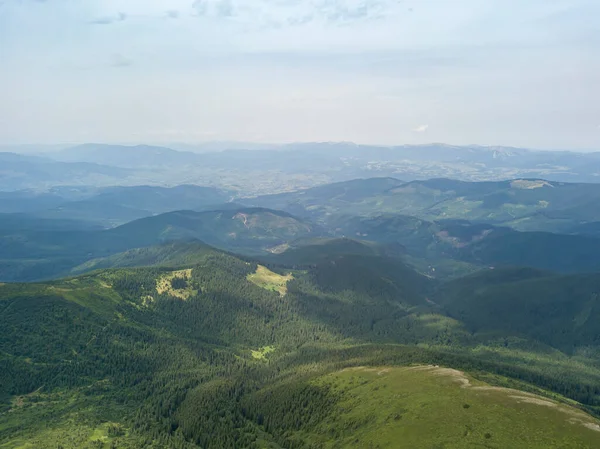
(421, 407)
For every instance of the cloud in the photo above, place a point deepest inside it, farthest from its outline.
(172, 14)
(215, 8)
(119, 61)
(201, 7)
(294, 12)
(107, 20)
(347, 11)
(421, 128)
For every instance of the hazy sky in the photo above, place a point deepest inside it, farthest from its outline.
(511, 72)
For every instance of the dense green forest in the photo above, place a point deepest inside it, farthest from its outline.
(348, 324)
(209, 355)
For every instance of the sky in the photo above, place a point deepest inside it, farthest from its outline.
(491, 72)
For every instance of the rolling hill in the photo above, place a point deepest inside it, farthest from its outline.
(336, 198)
(38, 253)
(255, 170)
(391, 407)
(209, 355)
(246, 230)
(523, 204)
(19, 171)
(126, 156)
(169, 254)
(560, 311)
(477, 244)
(110, 206)
(37, 248)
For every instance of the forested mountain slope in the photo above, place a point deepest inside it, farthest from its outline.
(222, 353)
(476, 243)
(524, 204)
(561, 311)
(45, 252)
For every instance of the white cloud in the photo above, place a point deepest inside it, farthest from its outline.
(421, 128)
(107, 20)
(295, 12)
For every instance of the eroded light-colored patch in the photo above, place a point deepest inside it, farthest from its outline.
(279, 248)
(458, 243)
(527, 184)
(262, 353)
(532, 400)
(163, 284)
(147, 300)
(267, 279)
(592, 426)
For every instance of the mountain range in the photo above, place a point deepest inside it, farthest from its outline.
(442, 227)
(350, 314)
(280, 168)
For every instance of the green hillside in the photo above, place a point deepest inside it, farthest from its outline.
(246, 230)
(560, 311)
(109, 206)
(523, 204)
(478, 244)
(216, 355)
(317, 201)
(442, 237)
(320, 336)
(39, 254)
(169, 254)
(421, 407)
(312, 250)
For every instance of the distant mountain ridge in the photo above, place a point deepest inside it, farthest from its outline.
(111, 206)
(137, 156)
(301, 165)
(19, 171)
(528, 204)
(46, 251)
(442, 225)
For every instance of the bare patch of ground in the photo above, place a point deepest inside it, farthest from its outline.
(592, 426)
(163, 284)
(279, 249)
(532, 400)
(529, 184)
(267, 279)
